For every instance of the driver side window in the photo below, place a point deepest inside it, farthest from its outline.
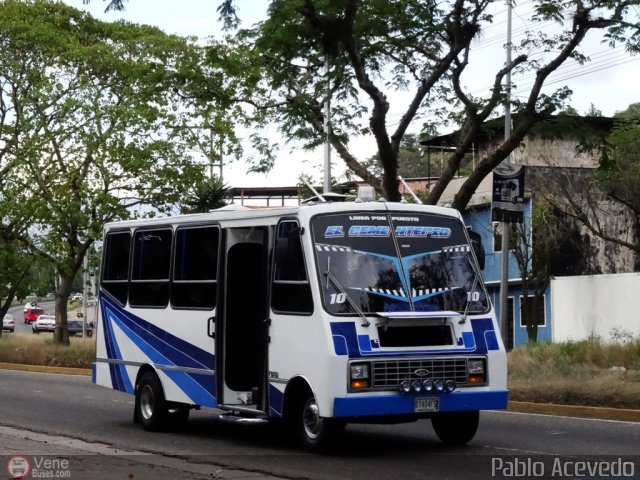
(291, 292)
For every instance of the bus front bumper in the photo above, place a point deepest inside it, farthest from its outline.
(389, 405)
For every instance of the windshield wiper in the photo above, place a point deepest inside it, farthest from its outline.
(352, 304)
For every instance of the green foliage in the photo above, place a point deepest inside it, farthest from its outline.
(358, 54)
(619, 172)
(632, 112)
(206, 195)
(87, 127)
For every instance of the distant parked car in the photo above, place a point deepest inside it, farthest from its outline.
(44, 323)
(32, 313)
(76, 296)
(8, 323)
(74, 327)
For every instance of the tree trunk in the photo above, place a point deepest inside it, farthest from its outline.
(6, 305)
(61, 334)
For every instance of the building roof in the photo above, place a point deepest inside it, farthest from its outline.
(495, 127)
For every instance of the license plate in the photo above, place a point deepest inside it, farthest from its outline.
(426, 404)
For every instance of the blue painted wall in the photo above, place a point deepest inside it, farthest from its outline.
(479, 220)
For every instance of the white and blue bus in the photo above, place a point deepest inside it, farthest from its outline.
(322, 315)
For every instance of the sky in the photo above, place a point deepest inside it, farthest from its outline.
(609, 81)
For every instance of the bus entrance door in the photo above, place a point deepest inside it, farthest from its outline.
(241, 349)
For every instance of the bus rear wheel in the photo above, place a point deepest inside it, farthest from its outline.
(456, 428)
(315, 433)
(151, 406)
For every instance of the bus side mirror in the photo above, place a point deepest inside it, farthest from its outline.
(478, 248)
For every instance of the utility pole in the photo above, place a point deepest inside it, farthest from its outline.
(85, 297)
(327, 132)
(504, 279)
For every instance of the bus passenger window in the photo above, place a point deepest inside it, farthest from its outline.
(115, 271)
(291, 292)
(195, 268)
(150, 269)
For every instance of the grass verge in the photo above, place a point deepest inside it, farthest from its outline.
(40, 350)
(589, 372)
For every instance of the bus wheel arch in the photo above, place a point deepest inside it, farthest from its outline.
(302, 416)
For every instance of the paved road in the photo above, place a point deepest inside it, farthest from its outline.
(70, 406)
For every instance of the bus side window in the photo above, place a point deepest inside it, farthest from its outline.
(150, 268)
(291, 292)
(195, 267)
(115, 272)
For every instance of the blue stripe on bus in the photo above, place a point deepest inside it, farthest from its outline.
(276, 399)
(119, 378)
(364, 406)
(346, 341)
(179, 351)
(161, 348)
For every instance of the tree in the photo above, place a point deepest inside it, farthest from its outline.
(358, 53)
(606, 200)
(205, 196)
(415, 161)
(85, 138)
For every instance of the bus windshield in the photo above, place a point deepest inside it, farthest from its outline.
(396, 262)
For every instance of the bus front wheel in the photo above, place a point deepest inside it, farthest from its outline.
(316, 433)
(456, 428)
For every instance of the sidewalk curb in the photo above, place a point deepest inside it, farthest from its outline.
(602, 413)
(45, 369)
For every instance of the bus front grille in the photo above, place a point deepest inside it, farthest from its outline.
(388, 374)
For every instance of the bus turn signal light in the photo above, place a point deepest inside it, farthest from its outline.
(359, 384)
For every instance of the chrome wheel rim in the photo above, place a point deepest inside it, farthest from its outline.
(311, 419)
(146, 402)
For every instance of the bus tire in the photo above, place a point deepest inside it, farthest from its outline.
(151, 406)
(456, 428)
(315, 433)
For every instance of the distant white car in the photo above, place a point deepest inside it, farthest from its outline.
(8, 323)
(44, 323)
(76, 296)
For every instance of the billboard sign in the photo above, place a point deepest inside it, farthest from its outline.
(507, 201)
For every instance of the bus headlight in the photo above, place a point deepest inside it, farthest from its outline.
(477, 372)
(359, 375)
(476, 366)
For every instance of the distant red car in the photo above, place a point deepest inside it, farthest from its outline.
(31, 314)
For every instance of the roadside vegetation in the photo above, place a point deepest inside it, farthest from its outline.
(589, 372)
(41, 350)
